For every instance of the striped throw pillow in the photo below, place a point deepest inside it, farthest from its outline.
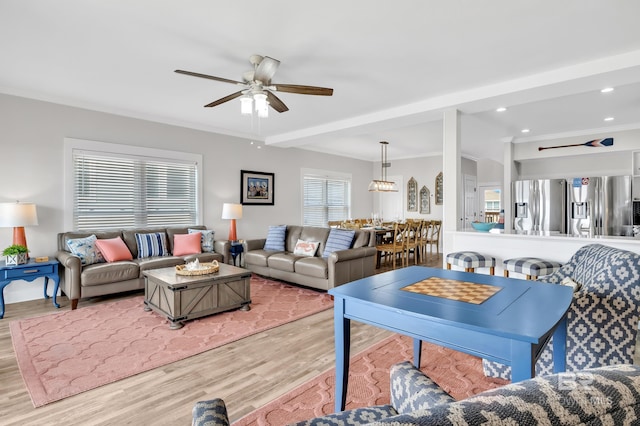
(339, 239)
(275, 238)
(154, 244)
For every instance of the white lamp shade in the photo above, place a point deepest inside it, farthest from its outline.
(18, 214)
(231, 211)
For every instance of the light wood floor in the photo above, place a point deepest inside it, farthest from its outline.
(246, 374)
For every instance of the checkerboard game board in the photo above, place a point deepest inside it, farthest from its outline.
(462, 291)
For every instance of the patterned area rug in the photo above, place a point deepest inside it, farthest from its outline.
(457, 373)
(66, 353)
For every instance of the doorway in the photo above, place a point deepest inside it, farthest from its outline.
(470, 200)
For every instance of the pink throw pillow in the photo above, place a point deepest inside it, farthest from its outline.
(114, 249)
(184, 244)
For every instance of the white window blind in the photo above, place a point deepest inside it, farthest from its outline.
(326, 198)
(126, 191)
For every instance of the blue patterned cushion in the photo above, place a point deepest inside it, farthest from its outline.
(275, 238)
(471, 259)
(154, 244)
(602, 321)
(85, 248)
(412, 390)
(602, 396)
(531, 266)
(339, 239)
(209, 413)
(206, 240)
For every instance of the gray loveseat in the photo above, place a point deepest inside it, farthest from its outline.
(79, 281)
(342, 266)
(605, 395)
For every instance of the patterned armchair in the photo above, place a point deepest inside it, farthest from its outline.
(602, 321)
(604, 395)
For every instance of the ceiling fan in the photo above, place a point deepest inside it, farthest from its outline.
(258, 82)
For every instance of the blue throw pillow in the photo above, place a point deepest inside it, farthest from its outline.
(154, 244)
(339, 239)
(85, 249)
(275, 238)
(206, 240)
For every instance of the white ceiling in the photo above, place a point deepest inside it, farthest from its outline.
(394, 67)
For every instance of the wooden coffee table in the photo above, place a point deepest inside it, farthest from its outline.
(180, 298)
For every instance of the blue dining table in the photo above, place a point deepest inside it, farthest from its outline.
(506, 320)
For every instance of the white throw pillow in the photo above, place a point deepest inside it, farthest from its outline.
(306, 248)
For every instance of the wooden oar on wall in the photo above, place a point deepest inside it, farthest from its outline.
(595, 143)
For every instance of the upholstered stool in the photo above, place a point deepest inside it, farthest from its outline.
(469, 260)
(532, 267)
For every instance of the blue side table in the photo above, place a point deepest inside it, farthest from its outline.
(236, 250)
(29, 272)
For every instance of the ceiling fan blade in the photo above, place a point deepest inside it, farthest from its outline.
(210, 77)
(266, 70)
(303, 90)
(225, 99)
(275, 102)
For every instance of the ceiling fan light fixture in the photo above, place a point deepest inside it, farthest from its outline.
(383, 185)
(262, 105)
(246, 105)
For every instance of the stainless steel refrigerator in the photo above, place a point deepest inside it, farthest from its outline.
(539, 206)
(599, 206)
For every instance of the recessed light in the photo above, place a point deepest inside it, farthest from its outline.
(607, 90)
(609, 119)
(501, 109)
(525, 130)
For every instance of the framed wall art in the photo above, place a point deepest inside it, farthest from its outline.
(412, 195)
(439, 189)
(256, 188)
(425, 200)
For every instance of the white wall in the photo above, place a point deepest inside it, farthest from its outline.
(424, 170)
(32, 135)
(577, 160)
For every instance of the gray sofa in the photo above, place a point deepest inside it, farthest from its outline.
(605, 395)
(315, 271)
(79, 281)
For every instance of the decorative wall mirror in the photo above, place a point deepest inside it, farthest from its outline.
(412, 195)
(425, 201)
(439, 189)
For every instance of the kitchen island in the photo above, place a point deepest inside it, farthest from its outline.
(501, 245)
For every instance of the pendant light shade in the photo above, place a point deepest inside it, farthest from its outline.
(383, 185)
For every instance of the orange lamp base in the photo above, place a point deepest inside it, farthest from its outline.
(19, 237)
(232, 231)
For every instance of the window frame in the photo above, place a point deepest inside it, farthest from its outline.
(327, 175)
(72, 145)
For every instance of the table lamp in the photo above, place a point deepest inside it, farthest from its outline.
(18, 215)
(233, 212)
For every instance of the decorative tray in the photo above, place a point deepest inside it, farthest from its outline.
(198, 269)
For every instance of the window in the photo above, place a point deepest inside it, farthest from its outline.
(327, 196)
(116, 186)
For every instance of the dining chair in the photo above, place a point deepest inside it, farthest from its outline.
(397, 246)
(425, 231)
(434, 237)
(413, 233)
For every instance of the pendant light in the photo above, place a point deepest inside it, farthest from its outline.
(383, 185)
